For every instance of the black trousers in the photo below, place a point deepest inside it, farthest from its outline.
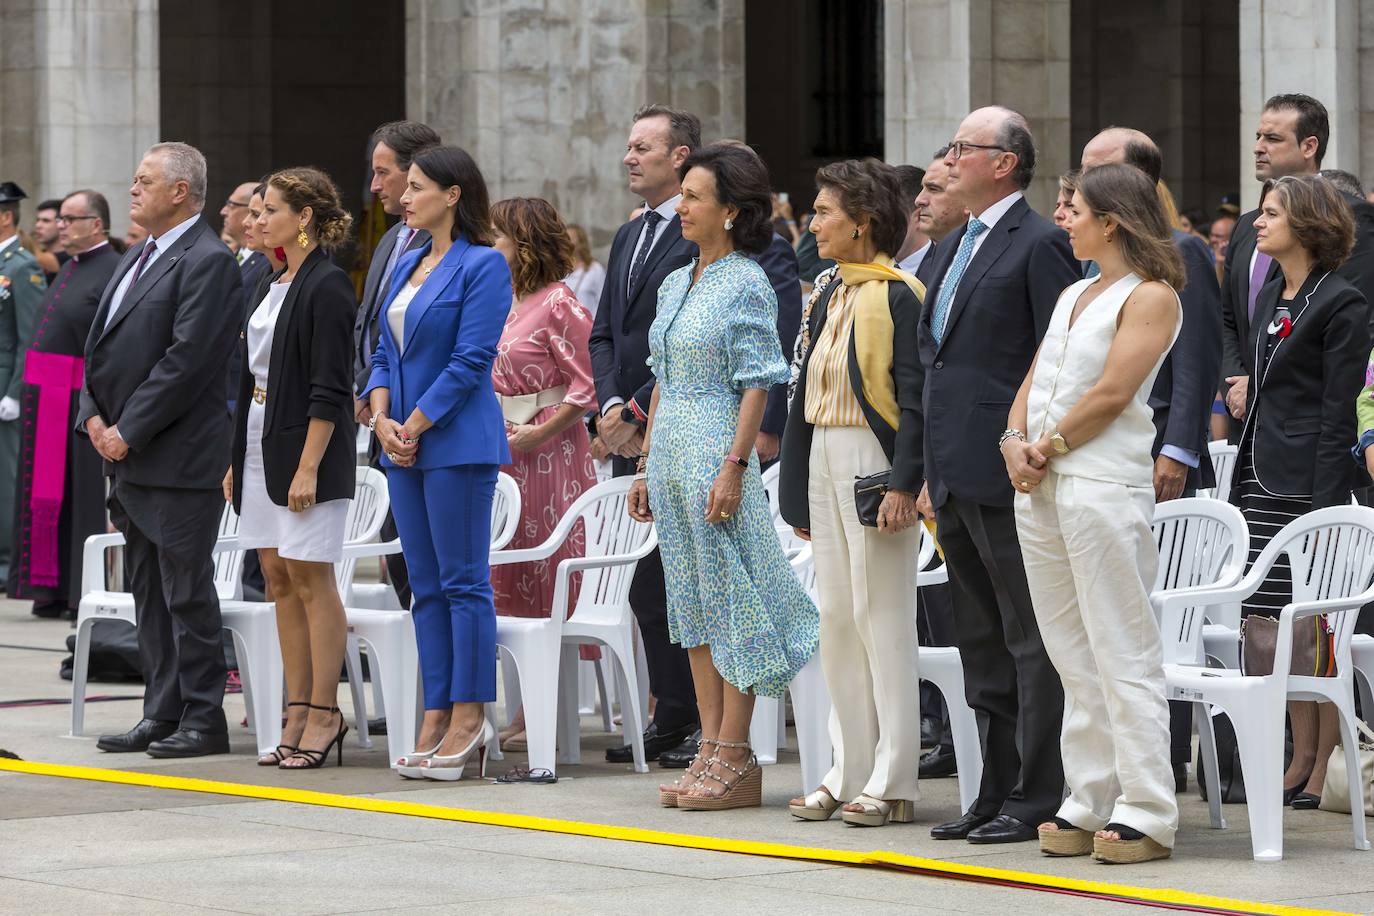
(169, 535)
(670, 672)
(935, 627)
(1008, 679)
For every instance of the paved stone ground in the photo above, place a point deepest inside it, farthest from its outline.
(71, 846)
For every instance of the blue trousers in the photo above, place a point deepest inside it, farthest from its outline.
(443, 516)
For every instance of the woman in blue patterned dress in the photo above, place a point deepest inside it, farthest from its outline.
(733, 601)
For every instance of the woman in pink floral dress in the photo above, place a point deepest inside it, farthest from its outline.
(543, 378)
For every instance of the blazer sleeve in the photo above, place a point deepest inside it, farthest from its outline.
(208, 312)
(486, 302)
(1232, 347)
(1345, 348)
(780, 263)
(908, 376)
(601, 343)
(1364, 403)
(1197, 352)
(1052, 268)
(331, 347)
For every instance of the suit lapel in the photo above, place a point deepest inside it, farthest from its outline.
(430, 289)
(672, 233)
(154, 272)
(380, 255)
(1264, 314)
(998, 240)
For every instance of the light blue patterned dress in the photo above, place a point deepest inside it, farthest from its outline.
(729, 585)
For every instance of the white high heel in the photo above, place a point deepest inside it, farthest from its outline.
(409, 765)
(450, 768)
(877, 812)
(816, 806)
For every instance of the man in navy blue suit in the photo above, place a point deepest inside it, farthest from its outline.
(994, 286)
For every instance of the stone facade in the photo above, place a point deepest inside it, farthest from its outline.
(80, 96)
(541, 91)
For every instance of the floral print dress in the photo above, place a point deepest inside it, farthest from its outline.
(729, 585)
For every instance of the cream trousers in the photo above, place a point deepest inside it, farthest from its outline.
(1090, 561)
(866, 583)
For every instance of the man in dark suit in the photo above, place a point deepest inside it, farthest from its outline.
(643, 253)
(1290, 140)
(153, 407)
(394, 145)
(995, 286)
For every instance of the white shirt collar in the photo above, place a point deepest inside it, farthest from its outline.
(92, 250)
(12, 240)
(169, 238)
(992, 214)
(668, 209)
(912, 261)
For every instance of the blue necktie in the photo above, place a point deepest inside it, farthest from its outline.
(950, 285)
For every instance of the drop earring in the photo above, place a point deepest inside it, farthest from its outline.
(729, 224)
(302, 239)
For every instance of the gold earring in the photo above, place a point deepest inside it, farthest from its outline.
(855, 236)
(302, 239)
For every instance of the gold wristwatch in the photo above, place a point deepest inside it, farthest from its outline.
(1057, 442)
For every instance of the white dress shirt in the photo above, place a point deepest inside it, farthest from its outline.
(989, 218)
(168, 239)
(912, 262)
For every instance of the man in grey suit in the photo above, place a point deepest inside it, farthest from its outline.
(153, 407)
(394, 145)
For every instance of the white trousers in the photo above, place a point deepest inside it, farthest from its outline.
(1090, 561)
(866, 583)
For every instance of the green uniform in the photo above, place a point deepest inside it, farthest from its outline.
(21, 293)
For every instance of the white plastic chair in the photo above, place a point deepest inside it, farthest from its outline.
(791, 544)
(810, 705)
(943, 667)
(615, 543)
(1362, 658)
(99, 603)
(1223, 456)
(1331, 552)
(254, 623)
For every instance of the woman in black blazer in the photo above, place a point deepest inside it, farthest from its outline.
(1306, 356)
(294, 453)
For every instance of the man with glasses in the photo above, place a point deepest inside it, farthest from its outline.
(993, 288)
(59, 507)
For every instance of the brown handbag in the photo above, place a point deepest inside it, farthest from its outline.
(1314, 651)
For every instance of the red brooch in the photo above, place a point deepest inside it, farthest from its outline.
(1285, 326)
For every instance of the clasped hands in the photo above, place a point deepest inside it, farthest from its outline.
(400, 446)
(1027, 462)
(106, 440)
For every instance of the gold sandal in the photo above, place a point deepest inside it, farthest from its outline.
(744, 791)
(667, 795)
(877, 812)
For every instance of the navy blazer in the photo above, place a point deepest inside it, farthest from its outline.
(999, 315)
(779, 262)
(1186, 385)
(452, 329)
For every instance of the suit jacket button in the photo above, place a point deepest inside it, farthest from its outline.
(939, 364)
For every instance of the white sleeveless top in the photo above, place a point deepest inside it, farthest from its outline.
(1071, 361)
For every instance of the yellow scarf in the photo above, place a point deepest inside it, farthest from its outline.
(873, 329)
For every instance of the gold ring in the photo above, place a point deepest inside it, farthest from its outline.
(725, 515)
(1025, 484)
(391, 456)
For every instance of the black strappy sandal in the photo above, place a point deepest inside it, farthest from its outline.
(315, 758)
(275, 758)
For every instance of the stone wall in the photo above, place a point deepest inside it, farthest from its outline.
(80, 100)
(541, 91)
(945, 58)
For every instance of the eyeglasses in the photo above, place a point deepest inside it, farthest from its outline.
(68, 220)
(957, 148)
(235, 203)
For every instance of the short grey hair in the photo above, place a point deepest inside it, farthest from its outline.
(1343, 181)
(183, 162)
(1014, 136)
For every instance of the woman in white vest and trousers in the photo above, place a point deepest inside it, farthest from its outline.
(1084, 505)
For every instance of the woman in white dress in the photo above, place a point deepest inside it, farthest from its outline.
(1084, 505)
(293, 456)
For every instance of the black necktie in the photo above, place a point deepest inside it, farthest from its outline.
(138, 268)
(651, 220)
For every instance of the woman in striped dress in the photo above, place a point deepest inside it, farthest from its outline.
(1306, 356)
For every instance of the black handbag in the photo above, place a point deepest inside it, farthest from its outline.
(868, 496)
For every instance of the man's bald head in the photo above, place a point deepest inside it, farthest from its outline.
(1128, 145)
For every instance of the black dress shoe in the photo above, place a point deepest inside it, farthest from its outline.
(137, 738)
(1306, 801)
(681, 757)
(187, 742)
(930, 731)
(936, 763)
(1004, 829)
(958, 830)
(655, 743)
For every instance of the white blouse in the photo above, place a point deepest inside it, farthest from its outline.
(396, 313)
(262, 327)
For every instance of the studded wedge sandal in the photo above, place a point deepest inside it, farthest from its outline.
(741, 788)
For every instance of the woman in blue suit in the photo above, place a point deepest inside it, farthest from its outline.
(443, 438)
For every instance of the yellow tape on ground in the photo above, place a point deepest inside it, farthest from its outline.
(878, 858)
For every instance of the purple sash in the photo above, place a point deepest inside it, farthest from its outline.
(56, 376)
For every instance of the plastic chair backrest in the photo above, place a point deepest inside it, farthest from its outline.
(1223, 456)
(804, 568)
(505, 511)
(935, 575)
(608, 531)
(366, 513)
(1331, 553)
(1202, 542)
(228, 563)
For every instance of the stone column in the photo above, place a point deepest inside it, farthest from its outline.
(541, 93)
(80, 100)
(1310, 46)
(945, 58)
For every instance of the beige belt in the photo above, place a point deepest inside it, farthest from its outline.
(521, 408)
